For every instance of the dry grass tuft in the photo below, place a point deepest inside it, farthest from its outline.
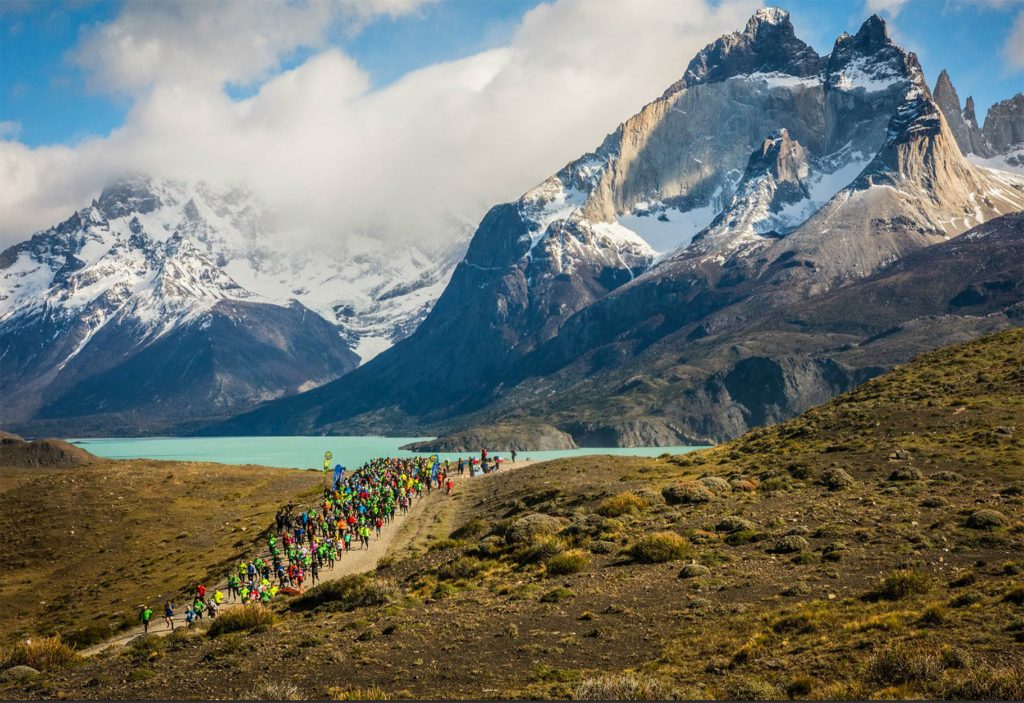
(44, 654)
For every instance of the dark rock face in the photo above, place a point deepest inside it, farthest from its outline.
(962, 123)
(767, 44)
(1004, 124)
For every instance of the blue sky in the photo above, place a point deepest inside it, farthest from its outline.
(44, 92)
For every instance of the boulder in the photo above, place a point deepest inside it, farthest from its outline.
(18, 673)
(691, 571)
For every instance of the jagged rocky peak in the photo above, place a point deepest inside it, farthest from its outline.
(767, 44)
(782, 157)
(868, 59)
(1004, 124)
(962, 122)
(129, 195)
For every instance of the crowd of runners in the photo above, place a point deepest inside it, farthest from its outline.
(352, 510)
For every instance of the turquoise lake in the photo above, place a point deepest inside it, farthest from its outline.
(306, 452)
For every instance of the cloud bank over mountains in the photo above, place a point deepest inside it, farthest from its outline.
(332, 156)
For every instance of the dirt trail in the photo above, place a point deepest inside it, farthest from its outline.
(409, 528)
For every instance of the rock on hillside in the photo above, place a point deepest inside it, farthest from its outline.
(502, 437)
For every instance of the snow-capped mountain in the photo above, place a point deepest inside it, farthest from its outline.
(152, 262)
(767, 176)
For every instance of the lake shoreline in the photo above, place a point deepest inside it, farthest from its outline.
(308, 452)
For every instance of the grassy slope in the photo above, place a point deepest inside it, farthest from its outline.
(479, 617)
(83, 547)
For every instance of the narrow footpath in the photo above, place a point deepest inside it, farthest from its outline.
(355, 561)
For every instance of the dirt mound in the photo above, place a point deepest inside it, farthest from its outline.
(16, 452)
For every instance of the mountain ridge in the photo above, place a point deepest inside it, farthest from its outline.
(879, 176)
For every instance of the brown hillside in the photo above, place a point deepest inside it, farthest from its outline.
(800, 561)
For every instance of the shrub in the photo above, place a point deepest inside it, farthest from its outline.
(43, 654)
(900, 584)
(273, 691)
(733, 523)
(833, 551)
(934, 502)
(620, 505)
(836, 479)
(570, 562)
(1015, 595)
(755, 690)
(557, 595)
(934, 614)
(357, 694)
(530, 528)
(686, 493)
(471, 530)
(347, 593)
(791, 544)
(966, 579)
(906, 473)
(542, 549)
(90, 635)
(741, 537)
(802, 621)
(902, 663)
(715, 484)
(947, 477)
(459, 568)
(800, 686)
(988, 683)
(248, 617)
(660, 547)
(691, 571)
(987, 519)
(622, 687)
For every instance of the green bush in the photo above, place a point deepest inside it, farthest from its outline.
(987, 520)
(459, 568)
(741, 537)
(570, 562)
(901, 584)
(557, 595)
(247, 617)
(621, 504)
(660, 547)
(347, 593)
(686, 493)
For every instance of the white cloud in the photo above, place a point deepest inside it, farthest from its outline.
(1013, 49)
(335, 158)
(890, 8)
